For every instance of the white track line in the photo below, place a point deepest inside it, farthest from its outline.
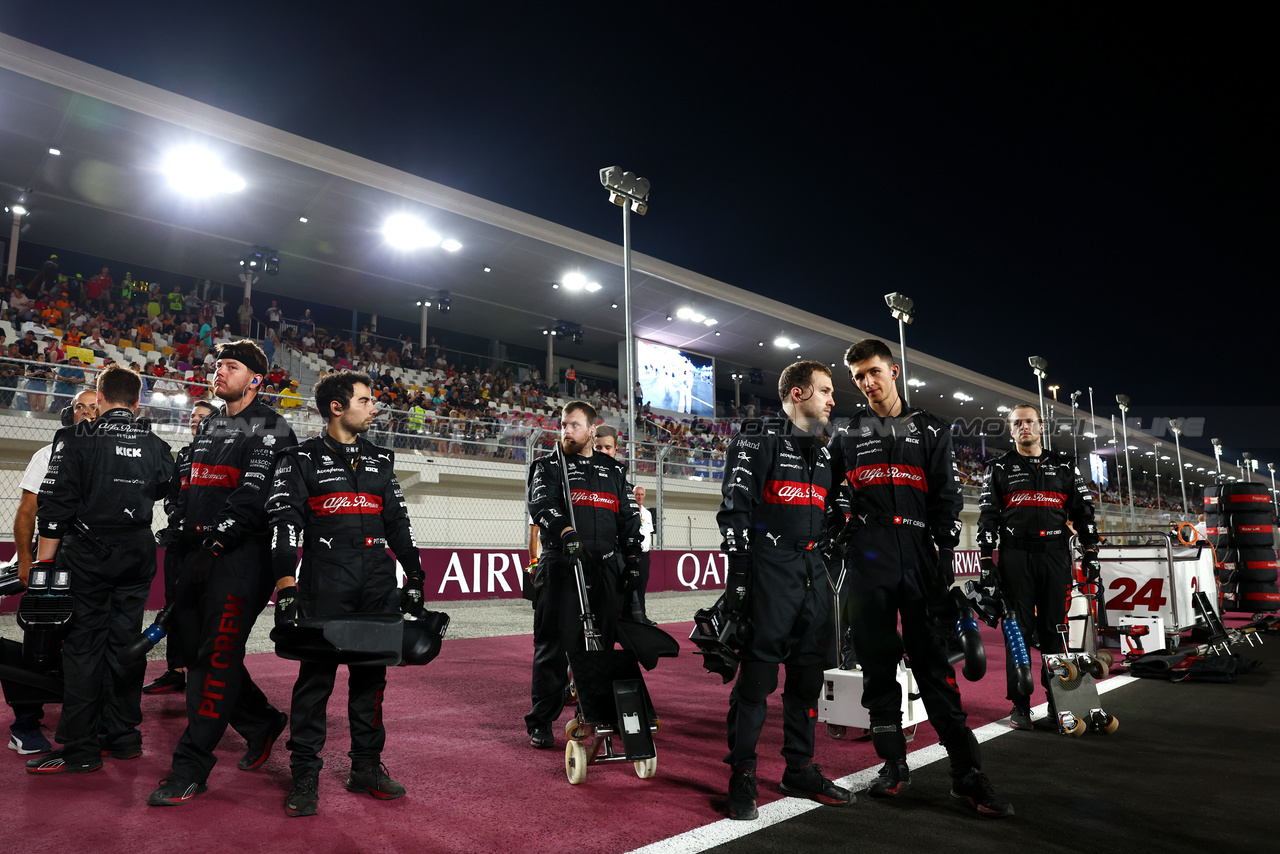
(727, 830)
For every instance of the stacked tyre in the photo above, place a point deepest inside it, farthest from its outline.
(1242, 527)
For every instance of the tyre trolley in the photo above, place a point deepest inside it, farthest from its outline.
(615, 720)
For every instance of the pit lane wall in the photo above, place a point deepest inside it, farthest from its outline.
(469, 574)
(496, 573)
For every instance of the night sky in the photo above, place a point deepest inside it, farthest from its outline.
(1092, 184)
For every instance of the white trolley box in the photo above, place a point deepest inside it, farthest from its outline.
(840, 704)
(1151, 577)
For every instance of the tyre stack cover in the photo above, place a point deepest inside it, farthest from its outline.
(1242, 527)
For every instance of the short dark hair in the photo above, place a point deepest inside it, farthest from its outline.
(868, 348)
(607, 430)
(212, 407)
(338, 387)
(119, 385)
(797, 375)
(580, 406)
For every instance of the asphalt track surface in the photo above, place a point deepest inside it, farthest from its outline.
(1188, 770)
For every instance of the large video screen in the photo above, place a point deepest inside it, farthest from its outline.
(676, 380)
(1098, 468)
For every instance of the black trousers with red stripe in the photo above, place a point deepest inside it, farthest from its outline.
(217, 619)
(1037, 583)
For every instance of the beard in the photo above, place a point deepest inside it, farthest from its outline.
(229, 394)
(571, 447)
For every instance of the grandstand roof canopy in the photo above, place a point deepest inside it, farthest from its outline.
(104, 194)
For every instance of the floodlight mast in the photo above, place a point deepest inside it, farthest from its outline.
(1156, 453)
(1075, 452)
(903, 310)
(1093, 421)
(1123, 401)
(1040, 367)
(1271, 467)
(631, 193)
(1175, 426)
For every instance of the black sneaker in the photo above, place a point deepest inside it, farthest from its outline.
(541, 737)
(808, 782)
(175, 791)
(259, 749)
(375, 780)
(171, 681)
(742, 795)
(894, 779)
(304, 798)
(56, 762)
(976, 790)
(1020, 718)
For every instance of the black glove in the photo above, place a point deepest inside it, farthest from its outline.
(833, 525)
(737, 587)
(411, 595)
(572, 544)
(1091, 566)
(287, 606)
(987, 578)
(947, 566)
(168, 537)
(847, 533)
(630, 581)
(199, 564)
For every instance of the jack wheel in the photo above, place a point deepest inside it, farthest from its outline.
(1095, 668)
(575, 731)
(1107, 659)
(575, 762)
(836, 730)
(646, 768)
(1112, 725)
(1067, 671)
(1075, 729)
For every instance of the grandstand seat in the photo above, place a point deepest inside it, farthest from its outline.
(146, 346)
(167, 351)
(132, 354)
(154, 356)
(124, 343)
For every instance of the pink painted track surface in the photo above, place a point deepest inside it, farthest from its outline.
(456, 740)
